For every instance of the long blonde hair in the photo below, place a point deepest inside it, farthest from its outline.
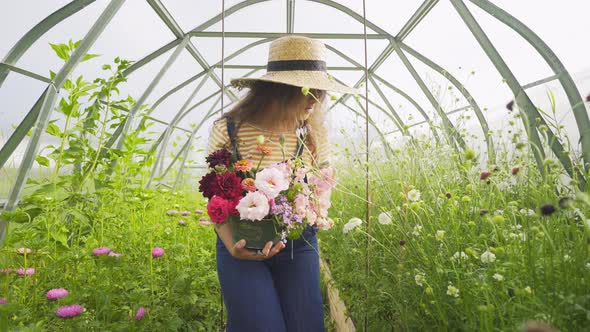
(281, 107)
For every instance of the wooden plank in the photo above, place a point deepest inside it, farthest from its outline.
(338, 312)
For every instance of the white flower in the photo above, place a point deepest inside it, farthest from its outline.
(440, 235)
(352, 224)
(567, 258)
(498, 277)
(459, 256)
(588, 265)
(452, 291)
(488, 257)
(417, 230)
(254, 206)
(420, 278)
(527, 212)
(384, 218)
(271, 181)
(528, 290)
(414, 195)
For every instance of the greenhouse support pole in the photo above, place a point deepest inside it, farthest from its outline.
(450, 130)
(573, 95)
(521, 97)
(48, 104)
(170, 128)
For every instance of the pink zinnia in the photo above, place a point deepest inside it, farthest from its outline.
(157, 252)
(243, 165)
(28, 271)
(56, 293)
(140, 313)
(248, 184)
(69, 310)
(182, 222)
(185, 213)
(101, 251)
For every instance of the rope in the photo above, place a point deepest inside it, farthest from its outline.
(366, 156)
(221, 321)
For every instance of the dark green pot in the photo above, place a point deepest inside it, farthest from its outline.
(256, 232)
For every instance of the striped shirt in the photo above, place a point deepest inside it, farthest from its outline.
(247, 144)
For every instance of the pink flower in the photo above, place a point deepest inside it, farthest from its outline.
(271, 181)
(284, 167)
(199, 211)
(218, 209)
(28, 271)
(2, 300)
(172, 212)
(324, 223)
(6, 270)
(243, 165)
(69, 310)
(157, 252)
(22, 251)
(300, 174)
(325, 180)
(185, 213)
(254, 206)
(203, 218)
(248, 184)
(101, 251)
(182, 222)
(301, 203)
(204, 222)
(114, 254)
(325, 203)
(311, 216)
(140, 313)
(57, 293)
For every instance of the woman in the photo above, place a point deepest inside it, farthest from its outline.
(272, 289)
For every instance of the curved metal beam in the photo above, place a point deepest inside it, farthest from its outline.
(39, 30)
(478, 113)
(573, 95)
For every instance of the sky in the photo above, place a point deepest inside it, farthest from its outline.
(136, 31)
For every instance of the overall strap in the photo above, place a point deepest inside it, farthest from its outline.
(231, 131)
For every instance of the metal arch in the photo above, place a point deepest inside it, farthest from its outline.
(574, 97)
(39, 30)
(412, 101)
(387, 50)
(49, 101)
(163, 13)
(476, 109)
(398, 121)
(168, 130)
(521, 97)
(290, 15)
(450, 130)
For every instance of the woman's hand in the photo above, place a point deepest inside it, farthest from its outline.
(239, 251)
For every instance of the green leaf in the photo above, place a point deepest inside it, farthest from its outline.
(52, 74)
(89, 56)
(42, 161)
(53, 129)
(61, 50)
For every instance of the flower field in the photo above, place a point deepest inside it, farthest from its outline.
(459, 245)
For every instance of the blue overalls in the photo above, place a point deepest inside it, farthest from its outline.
(278, 294)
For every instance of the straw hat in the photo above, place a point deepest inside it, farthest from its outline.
(299, 61)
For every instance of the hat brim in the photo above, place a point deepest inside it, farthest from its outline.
(302, 78)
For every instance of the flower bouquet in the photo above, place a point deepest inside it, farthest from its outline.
(269, 204)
